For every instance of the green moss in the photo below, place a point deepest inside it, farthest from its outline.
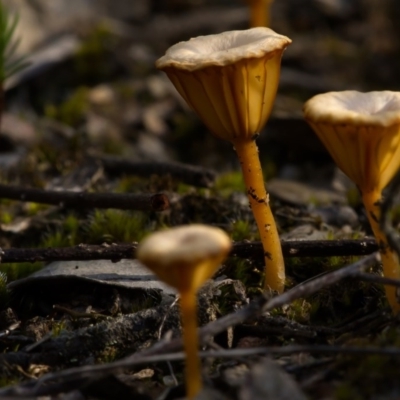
(72, 111)
(300, 311)
(16, 271)
(242, 230)
(182, 189)
(34, 208)
(229, 182)
(8, 381)
(6, 217)
(110, 354)
(128, 184)
(92, 60)
(58, 327)
(115, 226)
(56, 239)
(244, 271)
(335, 303)
(6, 202)
(228, 299)
(112, 146)
(353, 197)
(68, 234)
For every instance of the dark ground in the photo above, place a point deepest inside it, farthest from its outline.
(92, 98)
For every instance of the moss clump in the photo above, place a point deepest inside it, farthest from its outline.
(58, 328)
(92, 61)
(243, 230)
(299, 311)
(16, 271)
(32, 209)
(244, 271)
(335, 303)
(72, 111)
(112, 146)
(6, 217)
(115, 226)
(229, 182)
(68, 234)
(128, 184)
(353, 197)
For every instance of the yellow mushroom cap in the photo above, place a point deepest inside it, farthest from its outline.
(222, 49)
(185, 257)
(378, 109)
(229, 79)
(362, 133)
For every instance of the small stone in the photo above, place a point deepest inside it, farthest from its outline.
(337, 215)
(301, 194)
(102, 95)
(169, 381)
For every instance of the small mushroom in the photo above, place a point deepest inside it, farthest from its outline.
(362, 133)
(184, 258)
(230, 80)
(259, 12)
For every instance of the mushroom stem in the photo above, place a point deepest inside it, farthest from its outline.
(191, 343)
(390, 261)
(247, 152)
(259, 12)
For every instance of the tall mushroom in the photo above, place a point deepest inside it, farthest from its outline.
(230, 80)
(362, 133)
(184, 258)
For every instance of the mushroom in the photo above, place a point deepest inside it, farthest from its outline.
(230, 80)
(184, 258)
(259, 12)
(362, 133)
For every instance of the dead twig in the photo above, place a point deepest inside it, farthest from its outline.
(69, 379)
(142, 202)
(81, 252)
(364, 276)
(309, 248)
(189, 174)
(254, 250)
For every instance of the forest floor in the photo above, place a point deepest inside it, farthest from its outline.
(92, 114)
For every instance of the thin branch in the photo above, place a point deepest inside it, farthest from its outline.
(142, 202)
(253, 250)
(81, 252)
(189, 174)
(363, 276)
(309, 248)
(295, 349)
(74, 377)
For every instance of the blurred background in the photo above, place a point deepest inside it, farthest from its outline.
(92, 87)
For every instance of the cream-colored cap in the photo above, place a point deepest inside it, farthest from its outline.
(186, 256)
(354, 108)
(222, 49)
